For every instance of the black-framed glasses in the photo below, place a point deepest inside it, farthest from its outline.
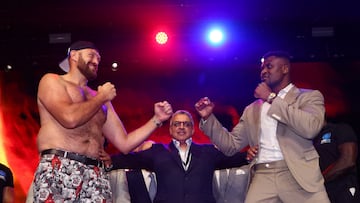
(187, 124)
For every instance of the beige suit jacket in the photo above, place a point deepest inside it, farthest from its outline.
(300, 117)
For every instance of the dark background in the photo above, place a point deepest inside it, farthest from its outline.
(35, 35)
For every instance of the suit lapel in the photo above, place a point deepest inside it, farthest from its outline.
(291, 96)
(257, 115)
(175, 154)
(137, 186)
(193, 152)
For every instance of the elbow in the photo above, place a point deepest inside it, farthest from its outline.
(69, 122)
(313, 128)
(350, 163)
(232, 152)
(125, 151)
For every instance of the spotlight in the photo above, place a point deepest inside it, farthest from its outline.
(161, 38)
(8, 68)
(114, 66)
(216, 36)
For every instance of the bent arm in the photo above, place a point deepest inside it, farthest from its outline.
(306, 117)
(53, 96)
(227, 142)
(115, 131)
(346, 161)
(133, 160)
(236, 160)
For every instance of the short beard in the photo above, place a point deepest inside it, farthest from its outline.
(85, 70)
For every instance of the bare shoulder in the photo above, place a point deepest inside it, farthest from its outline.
(51, 86)
(48, 77)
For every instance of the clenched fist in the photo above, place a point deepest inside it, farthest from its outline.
(107, 90)
(163, 111)
(204, 107)
(262, 91)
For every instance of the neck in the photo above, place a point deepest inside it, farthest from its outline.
(79, 81)
(183, 145)
(281, 86)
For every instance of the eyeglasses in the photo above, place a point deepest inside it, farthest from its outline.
(186, 124)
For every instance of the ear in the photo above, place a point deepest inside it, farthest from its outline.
(74, 55)
(286, 68)
(170, 129)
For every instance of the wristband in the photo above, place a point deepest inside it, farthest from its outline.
(157, 122)
(271, 97)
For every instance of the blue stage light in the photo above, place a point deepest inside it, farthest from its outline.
(216, 36)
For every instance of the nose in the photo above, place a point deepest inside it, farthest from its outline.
(95, 61)
(264, 70)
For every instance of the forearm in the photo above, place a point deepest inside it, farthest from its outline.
(337, 170)
(124, 142)
(236, 160)
(128, 161)
(223, 139)
(344, 164)
(138, 136)
(76, 114)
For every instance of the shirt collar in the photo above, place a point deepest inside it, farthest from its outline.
(177, 143)
(285, 90)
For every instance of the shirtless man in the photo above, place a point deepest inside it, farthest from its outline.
(74, 121)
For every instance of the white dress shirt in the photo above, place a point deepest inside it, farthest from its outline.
(185, 155)
(269, 145)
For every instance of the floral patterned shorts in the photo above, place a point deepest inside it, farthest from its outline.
(58, 179)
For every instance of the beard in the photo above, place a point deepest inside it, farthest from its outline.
(86, 70)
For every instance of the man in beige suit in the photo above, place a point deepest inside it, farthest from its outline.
(282, 122)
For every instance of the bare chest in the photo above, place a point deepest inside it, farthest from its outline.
(83, 94)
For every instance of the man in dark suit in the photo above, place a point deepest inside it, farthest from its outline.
(139, 184)
(184, 170)
(230, 184)
(132, 185)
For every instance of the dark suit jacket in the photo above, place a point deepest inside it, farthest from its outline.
(137, 187)
(235, 191)
(174, 184)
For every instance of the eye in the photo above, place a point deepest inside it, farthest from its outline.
(186, 124)
(94, 55)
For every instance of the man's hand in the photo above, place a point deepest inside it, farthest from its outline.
(163, 111)
(251, 153)
(262, 91)
(204, 107)
(108, 91)
(105, 157)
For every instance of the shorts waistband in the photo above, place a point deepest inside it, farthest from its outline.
(270, 165)
(73, 156)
